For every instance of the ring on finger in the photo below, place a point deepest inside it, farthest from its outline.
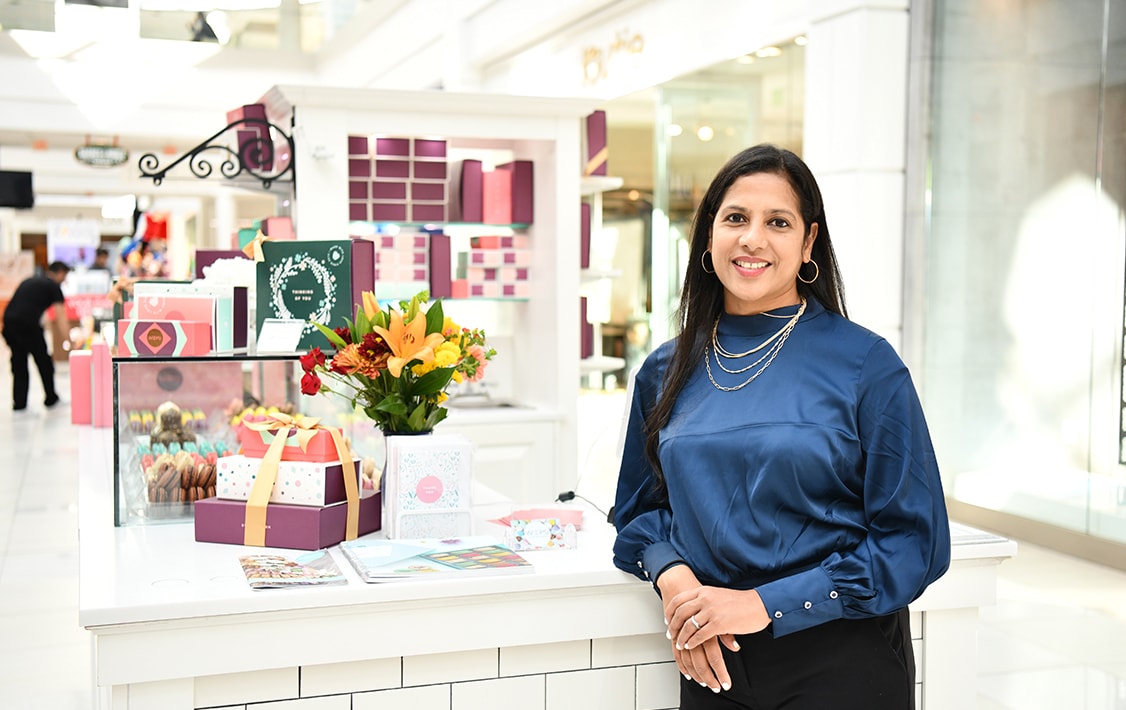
(694, 622)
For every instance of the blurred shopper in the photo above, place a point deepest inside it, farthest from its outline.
(24, 333)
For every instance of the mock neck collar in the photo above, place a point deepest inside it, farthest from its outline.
(762, 324)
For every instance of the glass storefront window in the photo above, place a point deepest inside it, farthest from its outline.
(1025, 251)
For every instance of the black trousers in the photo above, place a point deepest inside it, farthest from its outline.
(23, 341)
(848, 664)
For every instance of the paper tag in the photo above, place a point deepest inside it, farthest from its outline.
(280, 335)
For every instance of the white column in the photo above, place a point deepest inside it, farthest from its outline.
(855, 138)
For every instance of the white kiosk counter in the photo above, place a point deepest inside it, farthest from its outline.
(176, 627)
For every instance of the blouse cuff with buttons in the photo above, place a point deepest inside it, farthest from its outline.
(801, 601)
(657, 558)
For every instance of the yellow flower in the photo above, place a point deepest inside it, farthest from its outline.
(408, 342)
(450, 328)
(371, 306)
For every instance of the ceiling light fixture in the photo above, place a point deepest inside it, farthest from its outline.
(674, 129)
(705, 133)
(801, 40)
(770, 51)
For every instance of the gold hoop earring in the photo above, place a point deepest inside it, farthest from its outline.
(816, 273)
(704, 264)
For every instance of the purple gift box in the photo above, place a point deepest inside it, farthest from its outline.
(389, 191)
(357, 145)
(432, 191)
(358, 211)
(392, 168)
(523, 192)
(388, 212)
(393, 146)
(429, 148)
(429, 171)
(428, 213)
(440, 274)
(465, 192)
(597, 150)
(298, 527)
(359, 167)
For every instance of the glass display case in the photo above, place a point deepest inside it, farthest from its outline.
(173, 417)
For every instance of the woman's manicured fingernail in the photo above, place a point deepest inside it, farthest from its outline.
(715, 690)
(668, 635)
(727, 686)
(702, 685)
(666, 621)
(678, 646)
(736, 645)
(687, 677)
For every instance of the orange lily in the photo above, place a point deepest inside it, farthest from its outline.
(371, 306)
(408, 342)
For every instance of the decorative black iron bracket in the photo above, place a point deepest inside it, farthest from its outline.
(262, 151)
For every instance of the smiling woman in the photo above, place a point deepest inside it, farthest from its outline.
(778, 485)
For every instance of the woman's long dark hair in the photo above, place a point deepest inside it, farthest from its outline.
(701, 300)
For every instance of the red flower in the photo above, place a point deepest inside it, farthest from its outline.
(312, 359)
(310, 383)
(344, 333)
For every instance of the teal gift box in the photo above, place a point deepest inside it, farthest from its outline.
(313, 280)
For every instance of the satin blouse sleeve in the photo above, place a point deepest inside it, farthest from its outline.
(642, 547)
(907, 545)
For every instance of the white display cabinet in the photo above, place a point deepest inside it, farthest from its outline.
(540, 361)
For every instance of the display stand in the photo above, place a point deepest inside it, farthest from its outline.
(176, 627)
(541, 332)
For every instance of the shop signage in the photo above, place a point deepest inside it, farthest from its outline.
(596, 60)
(101, 156)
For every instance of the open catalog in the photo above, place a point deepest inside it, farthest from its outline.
(378, 560)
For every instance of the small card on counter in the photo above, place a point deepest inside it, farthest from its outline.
(279, 335)
(541, 534)
(279, 572)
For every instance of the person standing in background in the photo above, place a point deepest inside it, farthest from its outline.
(24, 333)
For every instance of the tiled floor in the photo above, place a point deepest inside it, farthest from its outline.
(1056, 640)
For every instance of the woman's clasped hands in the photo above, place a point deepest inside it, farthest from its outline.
(700, 618)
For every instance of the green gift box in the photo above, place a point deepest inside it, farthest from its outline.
(314, 280)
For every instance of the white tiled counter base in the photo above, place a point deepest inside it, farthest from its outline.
(612, 674)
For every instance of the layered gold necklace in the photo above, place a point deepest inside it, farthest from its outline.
(773, 345)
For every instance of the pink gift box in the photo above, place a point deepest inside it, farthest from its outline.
(101, 385)
(298, 482)
(496, 197)
(81, 386)
(486, 257)
(320, 448)
(163, 338)
(492, 242)
(298, 527)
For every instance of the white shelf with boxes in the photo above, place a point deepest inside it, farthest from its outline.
(526, 448)
(596, 276)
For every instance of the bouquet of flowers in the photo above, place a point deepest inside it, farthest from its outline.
(395, 364)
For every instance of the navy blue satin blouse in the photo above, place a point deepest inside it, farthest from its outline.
(815, 484)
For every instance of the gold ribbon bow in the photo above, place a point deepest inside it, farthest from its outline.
(254, 530)
(253, 250)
